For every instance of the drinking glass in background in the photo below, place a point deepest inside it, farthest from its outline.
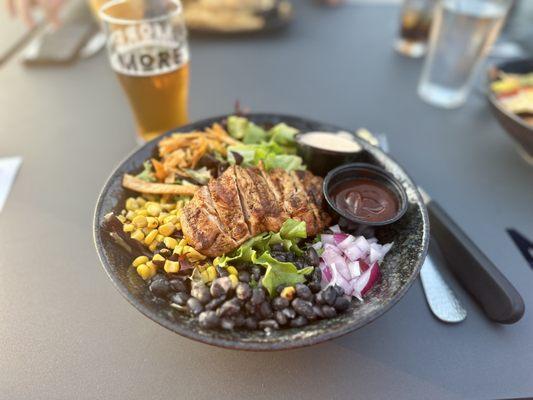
(415, 23)
(147, 47)
(462, 34)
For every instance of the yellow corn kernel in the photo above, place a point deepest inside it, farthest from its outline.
(211, 272)
(153, 209)
(142, 212)
(139, 260)
(158, 257)
(178, 225)
(146, 230)
(138, 235)
(288, 292)
(159, 238)
(128, 228)
(130, 215)
(121, 218)
(153, 245)
(205, 276)
(201, 268)
(140, 221)
(145, 271)
(141, 201)
(167, 206)
(232, 270)
(131, 204)
(171, 267)
(151, 222)
(192, 254)
(153, 270)
(234, 280)
(170, 219)
(173, 212)
(150, 237)
(170, 243)
(167, 229)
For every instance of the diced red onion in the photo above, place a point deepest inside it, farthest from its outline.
(354, 268)
(366, 281)
(326, 238)
(335, 229)
(340, 237)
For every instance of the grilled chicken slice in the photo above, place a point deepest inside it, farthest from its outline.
(244, 202)
(227, 203)
(261, 209)
(202, 227)
(295, 200)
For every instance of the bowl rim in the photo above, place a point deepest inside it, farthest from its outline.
(494, 100)
(402, 195)
(254, 346)
(327, 151)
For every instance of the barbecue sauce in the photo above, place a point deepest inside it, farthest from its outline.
(365, 199)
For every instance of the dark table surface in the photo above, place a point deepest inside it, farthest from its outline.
(67, 333)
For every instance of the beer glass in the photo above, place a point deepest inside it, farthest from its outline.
(415, 23)
(462, 34)
(147, 46)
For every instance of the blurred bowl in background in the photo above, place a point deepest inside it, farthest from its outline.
(515, 126)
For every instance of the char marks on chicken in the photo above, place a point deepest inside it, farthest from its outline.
(244, 202)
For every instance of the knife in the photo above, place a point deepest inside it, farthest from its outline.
(498, 298)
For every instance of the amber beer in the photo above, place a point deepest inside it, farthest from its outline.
(151, 60)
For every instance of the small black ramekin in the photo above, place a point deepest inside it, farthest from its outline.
(366, 171)
(321, 161)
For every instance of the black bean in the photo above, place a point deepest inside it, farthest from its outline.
(165, 253)
(330, 295)
(317, 275)
(298, 322)
(280, 288)
(250, 323)
(174, 257)
(265, 310)
(239, 320)
(289, 312)
(277, 247)
(279, 303)
(244, 276)
(328, 311)
(318, 311)
(269, 323)
(279, 255)
(201, 292)
(215, 303)
(341, 304)
(159, 263)
(303, 307)
(222, 271)
(243, 291)
(256, 272)
(311, 257)
(220, 286)
(178, 285)
(299, 264)
(179, 298)
(208, 319)
(319, 298)
(281, 318)
(194, 306)
(258, 296)
(303, 292)
(249, 308)
(290, 257)
(160, 287)
(229, 307)
(227, 324)
(339, 290)
(314, 286)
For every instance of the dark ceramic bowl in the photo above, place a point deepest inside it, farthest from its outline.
(321, 161)
(516, 127)
(399, 269)
(366, 171)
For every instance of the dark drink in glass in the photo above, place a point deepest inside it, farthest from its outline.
(415, 24)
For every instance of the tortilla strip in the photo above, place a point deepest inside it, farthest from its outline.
(138, 185)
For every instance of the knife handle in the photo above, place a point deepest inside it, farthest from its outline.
(498, 298)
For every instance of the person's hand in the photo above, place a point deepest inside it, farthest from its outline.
(23, 9)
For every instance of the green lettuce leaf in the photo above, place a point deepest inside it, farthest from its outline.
(147, 173)
(283, 134)
(201, 175)
(272, 155)
(242, 129)
(293, 229)
(280, 273)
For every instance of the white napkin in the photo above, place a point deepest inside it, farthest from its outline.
(8, 171)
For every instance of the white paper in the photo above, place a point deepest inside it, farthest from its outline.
(8, 171)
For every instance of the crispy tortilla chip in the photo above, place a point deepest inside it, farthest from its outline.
(138, 185)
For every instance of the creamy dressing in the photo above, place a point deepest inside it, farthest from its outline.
(331, 141)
